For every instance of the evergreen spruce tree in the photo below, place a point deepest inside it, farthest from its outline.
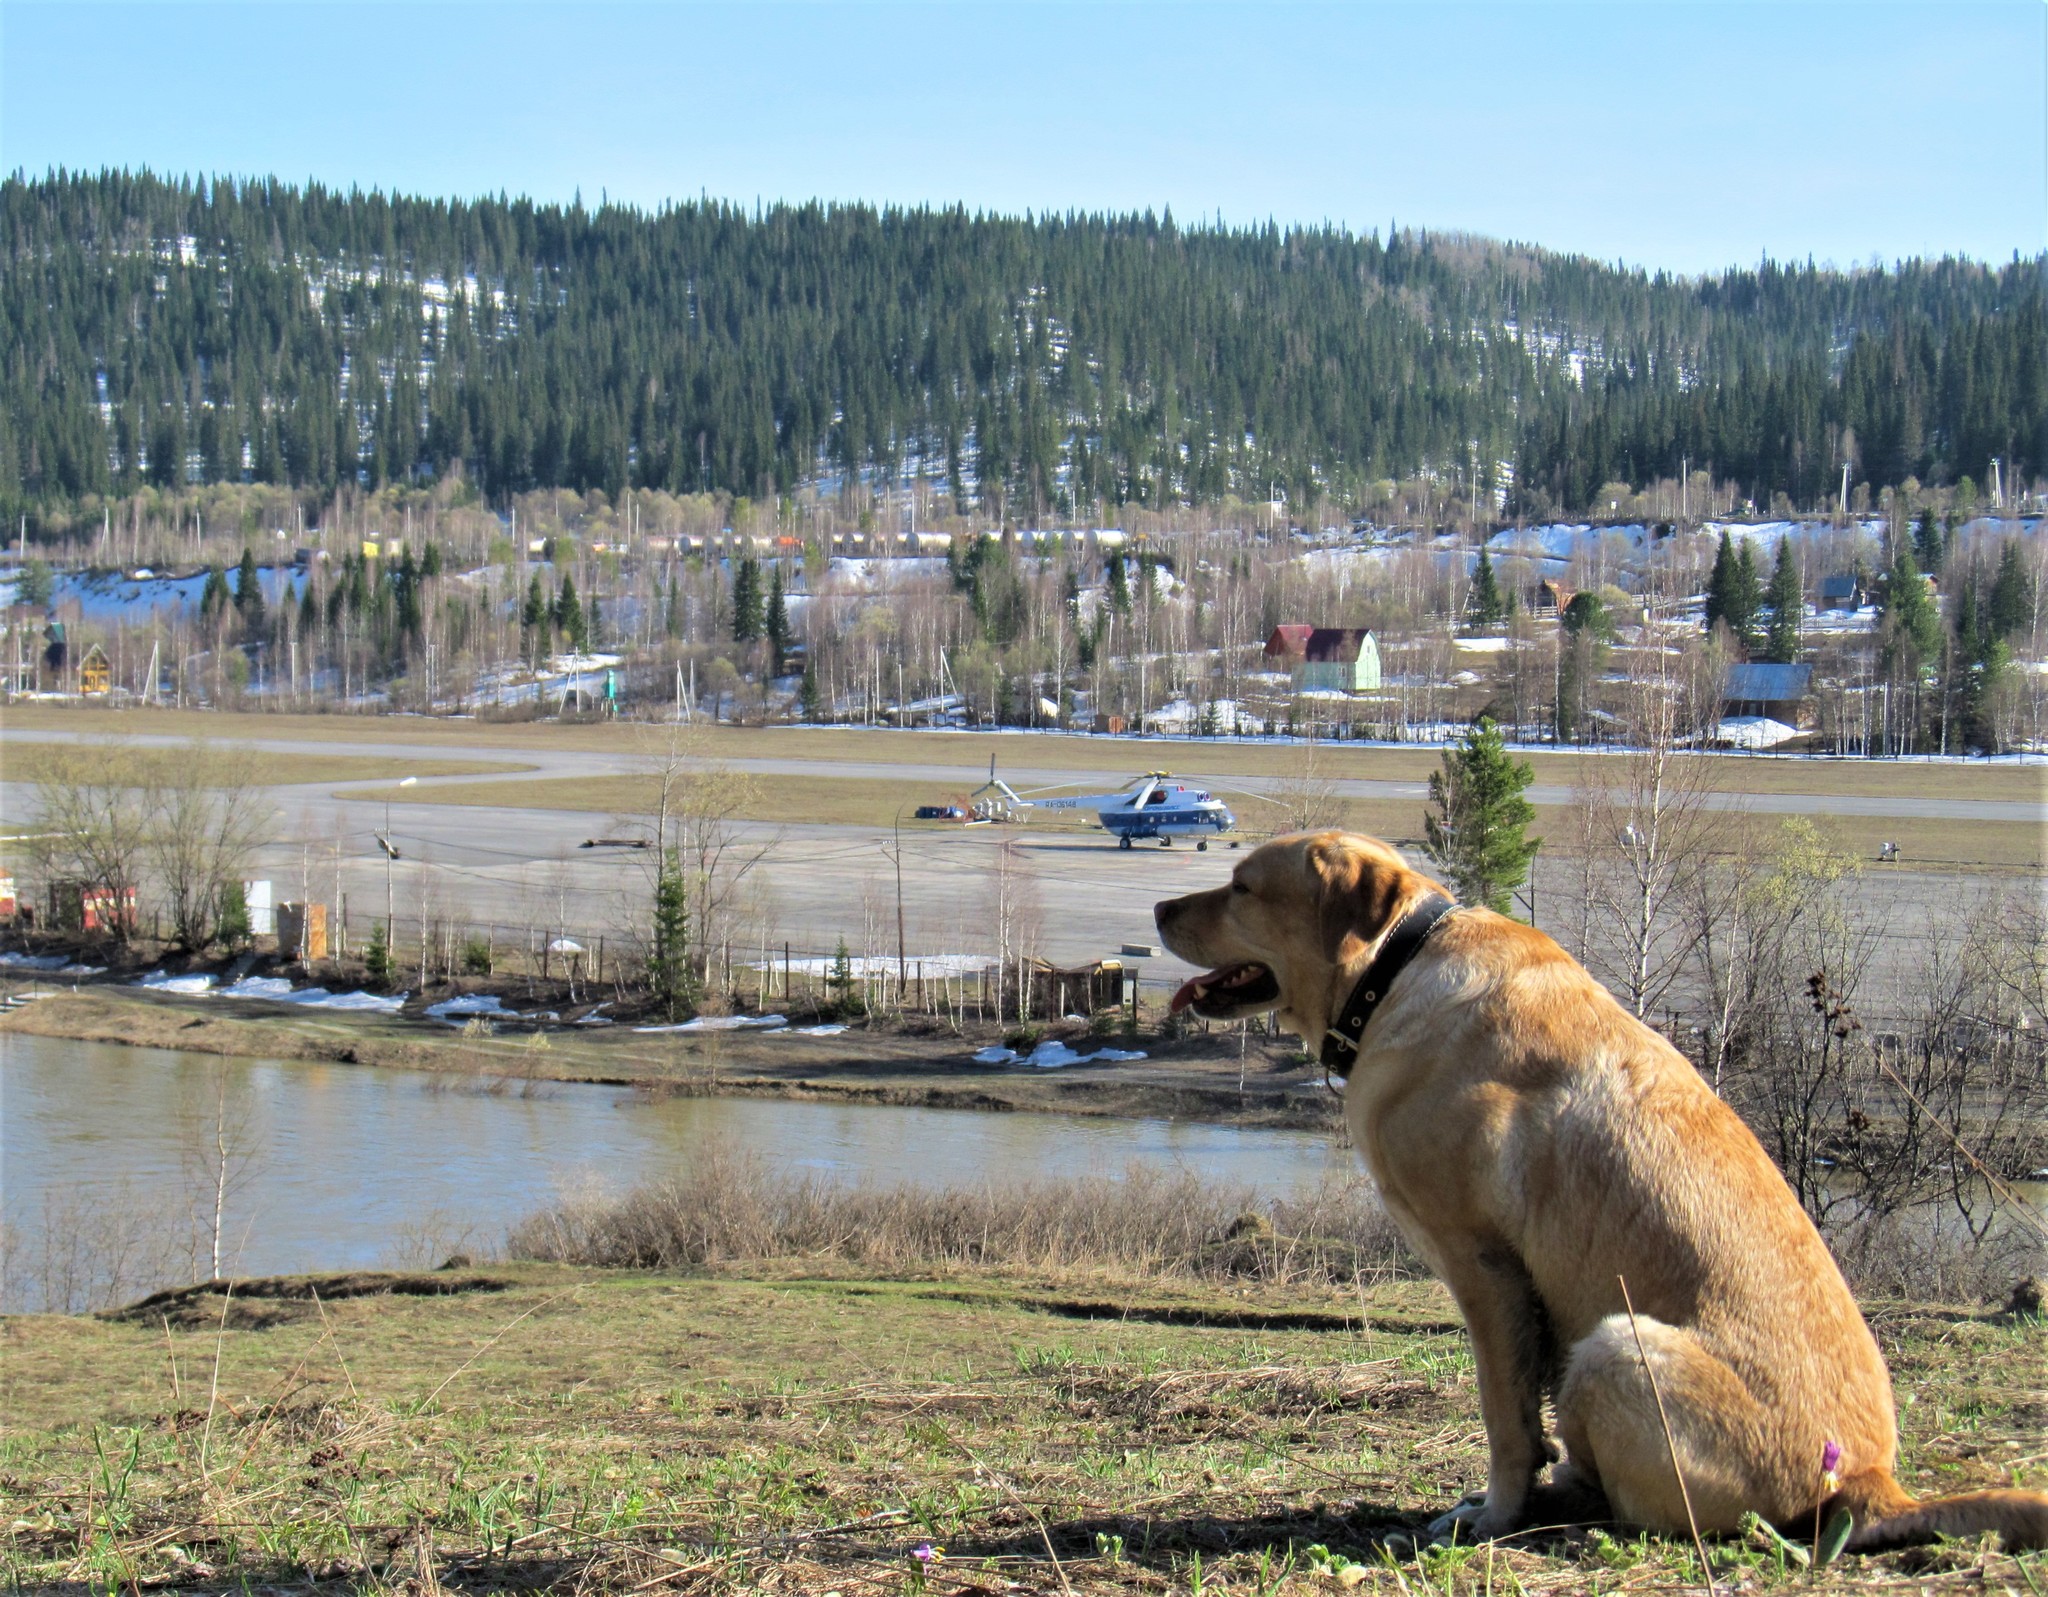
(535, 620)
(430, 560)
(812, 700)
(1745, 598)
(1485, 606)
(672, 617)
(1119, 584)
(777, 623)
(669, 973)
(249, 592)
(214, 598)
(1908, 610)
(377, 958)
(2011, 607)
(568, 614)
(1477, 827)
(746, 600)
(841, 979)
(1585, 631)
(231, 927)
(36, 587)
(593, 622)
(1721, 583)
(1930, 546)
(1787, 602)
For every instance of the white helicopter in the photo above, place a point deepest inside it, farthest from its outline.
(1154, 805)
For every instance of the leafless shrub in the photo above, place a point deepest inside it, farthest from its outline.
(731, 1208)
(1307, 796)
(92, 1247)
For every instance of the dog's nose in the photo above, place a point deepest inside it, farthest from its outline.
(1164, 911)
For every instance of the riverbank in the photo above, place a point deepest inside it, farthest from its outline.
(915, 1064)
(806, 1429)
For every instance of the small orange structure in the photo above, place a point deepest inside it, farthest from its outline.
(95, 677)
(302, 931)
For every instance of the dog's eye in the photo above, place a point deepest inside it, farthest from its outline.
(1239, 887)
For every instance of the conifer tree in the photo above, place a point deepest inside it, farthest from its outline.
(812, 700)
(672, 616)
(746, 600)
(1787, 605)
(669, 972)
(1119, 584)
(214, 597)
(1485, 606)
(1745, 598)
(535, 619)
(2011, 608)
(1721, 583)
(777, 623)
(1930, 547)
(568, 615)
(248, 592)
(1477, 827)
(1910, 621)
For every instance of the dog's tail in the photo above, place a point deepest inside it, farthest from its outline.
(1886, 1517)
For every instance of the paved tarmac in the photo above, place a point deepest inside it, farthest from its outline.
(812, 883)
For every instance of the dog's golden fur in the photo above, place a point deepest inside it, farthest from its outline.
(1537, 1144)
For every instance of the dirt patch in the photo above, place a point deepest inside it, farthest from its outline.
(261, 1302)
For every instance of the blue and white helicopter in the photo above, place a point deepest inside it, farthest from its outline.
(1154, 805)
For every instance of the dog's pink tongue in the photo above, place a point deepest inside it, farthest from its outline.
(1188, 992)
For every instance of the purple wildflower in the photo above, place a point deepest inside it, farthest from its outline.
(1831, 1458)
(925, 1553)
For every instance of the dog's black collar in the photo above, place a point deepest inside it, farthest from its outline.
(1341, 1042)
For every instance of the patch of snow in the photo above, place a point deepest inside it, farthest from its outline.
(1755, 732)
(163, 982)
(725, 1023)
(55, 964)
(831, 1030)
(453, 1009)
(564, 945)
(258, 987)
(1053, 1054)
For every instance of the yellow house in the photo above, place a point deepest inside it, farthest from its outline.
(93, 675)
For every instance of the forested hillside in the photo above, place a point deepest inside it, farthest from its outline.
(157, 331)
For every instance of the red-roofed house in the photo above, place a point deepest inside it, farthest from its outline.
(1346, 659)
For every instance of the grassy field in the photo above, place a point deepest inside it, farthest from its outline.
(543, 1428)
(27, 762)
(1997, 846)
(970, 750)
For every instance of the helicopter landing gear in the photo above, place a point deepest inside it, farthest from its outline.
(1201, 845)
(1124, 841)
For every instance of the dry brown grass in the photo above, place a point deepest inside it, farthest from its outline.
(971, 750)
(28, 761)
(730, 1208)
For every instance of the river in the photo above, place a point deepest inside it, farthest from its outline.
(111, 1156)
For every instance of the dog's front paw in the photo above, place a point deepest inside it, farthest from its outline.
(1458, 1524)
(1471, 1521)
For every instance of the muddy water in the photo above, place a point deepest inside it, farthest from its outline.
(333, 1166)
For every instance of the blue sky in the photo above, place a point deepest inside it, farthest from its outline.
(1677, 136)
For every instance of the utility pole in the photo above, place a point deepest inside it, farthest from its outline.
(896, 858)
(390, 854)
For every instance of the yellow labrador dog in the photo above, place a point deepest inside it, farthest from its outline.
(1541, 1147)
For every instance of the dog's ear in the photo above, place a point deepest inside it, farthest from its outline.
(1356, 893)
